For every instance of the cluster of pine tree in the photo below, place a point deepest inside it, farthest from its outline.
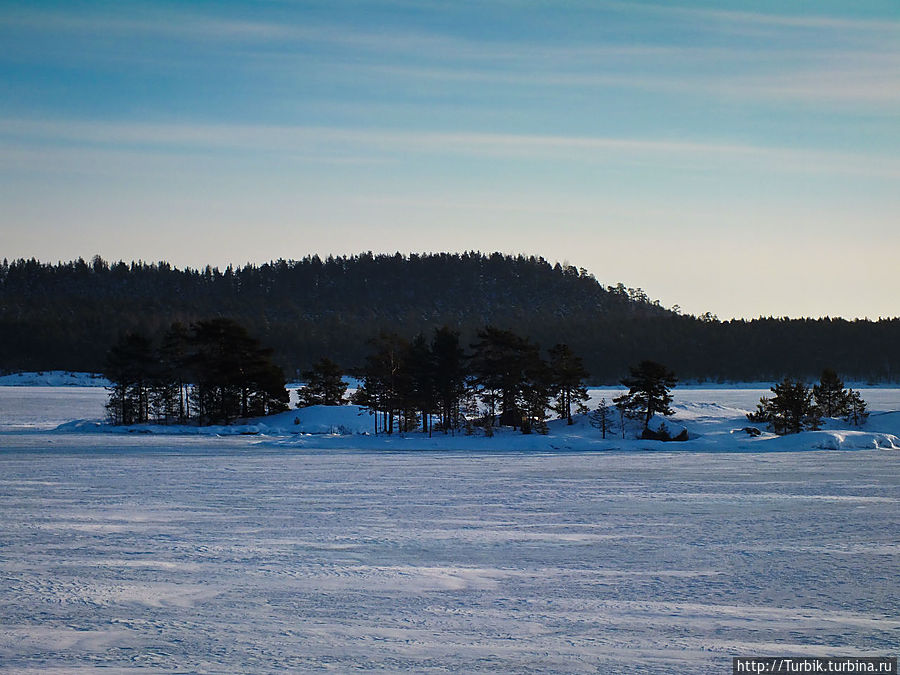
(212, 373)
(795, 407)
(215, 372)
(504, 380)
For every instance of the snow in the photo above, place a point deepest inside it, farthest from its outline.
(162, 553)
(302, 542)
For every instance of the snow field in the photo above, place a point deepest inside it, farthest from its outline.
(231, 555)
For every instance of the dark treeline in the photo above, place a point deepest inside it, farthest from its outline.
(67, 315)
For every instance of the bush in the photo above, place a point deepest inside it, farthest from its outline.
(663, 434)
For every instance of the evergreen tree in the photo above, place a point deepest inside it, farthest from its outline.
(601, 418)
(648, 392)
(449, 377)
(420, 368)
(384, 381)
(233, 375)
(499, 363)
(323, 385)
(791, 409)
(567, 376)
(533, 396)
(830, 396)
(855, 413)
(264, 389)
(131, 368)
(169, 387)
(217, 349)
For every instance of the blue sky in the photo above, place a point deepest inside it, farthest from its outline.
(734, 157)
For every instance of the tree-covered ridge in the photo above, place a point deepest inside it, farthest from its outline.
(382, 285)
(67, 315)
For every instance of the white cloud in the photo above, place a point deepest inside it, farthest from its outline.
(369, 144)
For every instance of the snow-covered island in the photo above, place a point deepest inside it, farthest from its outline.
(715, 419)
(712, 427)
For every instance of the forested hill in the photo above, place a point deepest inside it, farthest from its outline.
(67, 315)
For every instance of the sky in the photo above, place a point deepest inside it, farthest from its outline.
(739, 158)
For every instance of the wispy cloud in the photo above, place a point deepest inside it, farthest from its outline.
(738, 17)
(786, 71)
(173, 24)
(853, 81)
(194, 24)
(335, 143)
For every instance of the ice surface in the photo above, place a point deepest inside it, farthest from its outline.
(309, 547)
(200, 554)
(53, 378)
(44, 407)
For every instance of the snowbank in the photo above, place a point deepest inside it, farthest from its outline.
(846, 440)
(345, 420)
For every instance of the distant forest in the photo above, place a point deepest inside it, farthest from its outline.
(68, 315)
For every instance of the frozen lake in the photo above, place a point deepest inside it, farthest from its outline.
(34, 408)
(31, 408)
(223, 555)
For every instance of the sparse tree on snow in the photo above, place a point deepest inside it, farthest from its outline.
(856, 413)
(601, 418)
(648, 392)
(567, 376)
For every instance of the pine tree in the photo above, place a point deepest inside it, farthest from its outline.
(130, 367)
(449, 377)
(830, 396)
(856, 413)
(791, 409)
(420, 368)
(265, 390)
(233, 374)
(168, 392)
(509, 371)
(648, 392)
(601, 418)
(497, 364)
(533, 395)
(323, 385)
(567, 376)
(384, 381)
